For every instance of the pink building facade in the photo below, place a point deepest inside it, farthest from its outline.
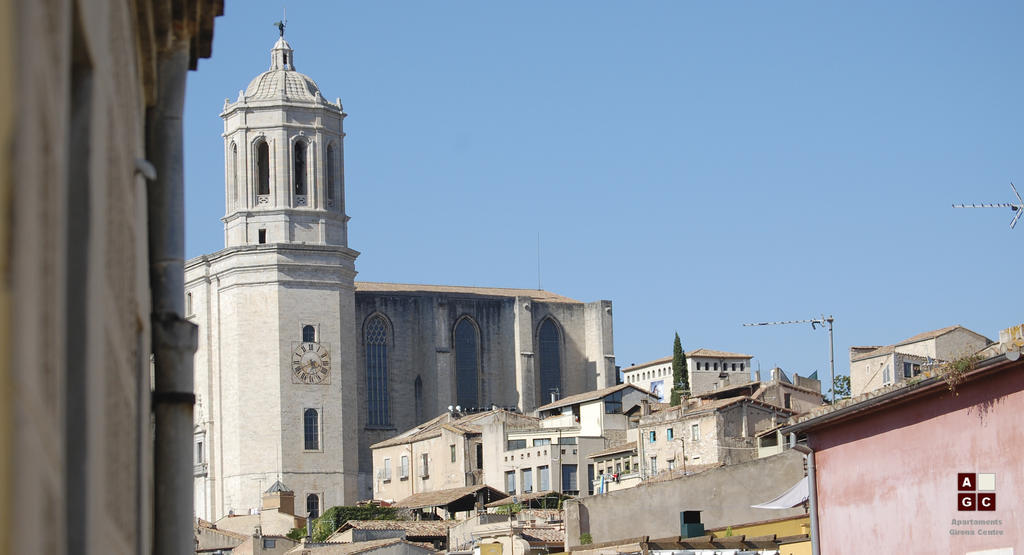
(889, 466)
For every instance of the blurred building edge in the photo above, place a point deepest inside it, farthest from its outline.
(79, 80)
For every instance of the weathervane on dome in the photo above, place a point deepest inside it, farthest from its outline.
(281, 24)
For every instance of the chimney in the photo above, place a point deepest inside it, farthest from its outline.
(279, 497)
(645, 407)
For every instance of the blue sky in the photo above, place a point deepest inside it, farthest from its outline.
(701, 165)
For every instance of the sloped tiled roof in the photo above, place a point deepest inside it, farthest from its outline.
(590, 396)
(330, 548)
(662, 360)
(620, 448)
(443, 497)
(270, 522)
(535, 294)
(925, 336)
(547, 535)
(412, 528)
(716, 354)
(432, 428)
(278, 487)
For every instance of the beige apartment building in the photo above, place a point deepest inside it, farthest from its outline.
(873, 367)
(707, 370)
(704, 432)
(445, 452)
(553, 454)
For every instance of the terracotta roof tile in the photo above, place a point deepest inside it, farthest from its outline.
(590, 396)
(535, 294)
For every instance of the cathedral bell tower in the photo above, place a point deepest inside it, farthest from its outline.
(284, 160)
(275, 370)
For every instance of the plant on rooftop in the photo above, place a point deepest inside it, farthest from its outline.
(510, 508)
(586, 538)
(954, 371)
(680, 377)
(335, 517)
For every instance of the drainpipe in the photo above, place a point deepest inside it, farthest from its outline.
(812, 492)
(174, 338)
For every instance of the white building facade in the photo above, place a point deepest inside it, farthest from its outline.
(707, 370)
(299, 368)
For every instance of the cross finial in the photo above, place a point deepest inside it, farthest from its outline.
(281, 24)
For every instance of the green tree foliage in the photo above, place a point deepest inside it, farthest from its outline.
(680, 378)
(841, 387)
(335, 517)
(586, 538)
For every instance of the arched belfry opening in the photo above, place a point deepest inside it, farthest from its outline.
(262, 168)
(299, 168)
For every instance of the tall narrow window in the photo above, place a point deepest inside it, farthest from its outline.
(311, 424)
(313, 505)
(377, 372)
(550, 359)
(308, 334)
(234, 172)
(262, 168)
(467, 382)
(299, 167)
(331, 179)
(417, 388)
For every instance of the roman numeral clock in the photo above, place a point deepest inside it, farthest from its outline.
(311, 363)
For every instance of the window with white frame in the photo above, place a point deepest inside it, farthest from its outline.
(403, 471)
(424, 465)
(387, 469)
(695, 431)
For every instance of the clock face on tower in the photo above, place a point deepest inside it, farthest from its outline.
(311, 363)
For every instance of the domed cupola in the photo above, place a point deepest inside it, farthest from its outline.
(281, 80)
(284, 154)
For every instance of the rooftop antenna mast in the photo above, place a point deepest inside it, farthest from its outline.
(823, 321)
(1017, 208)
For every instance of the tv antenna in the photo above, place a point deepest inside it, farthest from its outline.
(1017, 208)
(823, 321)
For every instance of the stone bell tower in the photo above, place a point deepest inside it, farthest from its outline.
(275, 373)
(285, 170)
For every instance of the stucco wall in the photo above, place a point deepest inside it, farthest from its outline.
(723, 494)
(887, 480)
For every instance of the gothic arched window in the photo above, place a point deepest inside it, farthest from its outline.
(549, 350)
(376, 341)
(308, 334)
(311, 427)
(331, 169)
(313, 505)
(467, 364)
(299, 167)
(262, 168)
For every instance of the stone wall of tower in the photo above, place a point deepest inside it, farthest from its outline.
(251, 304)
